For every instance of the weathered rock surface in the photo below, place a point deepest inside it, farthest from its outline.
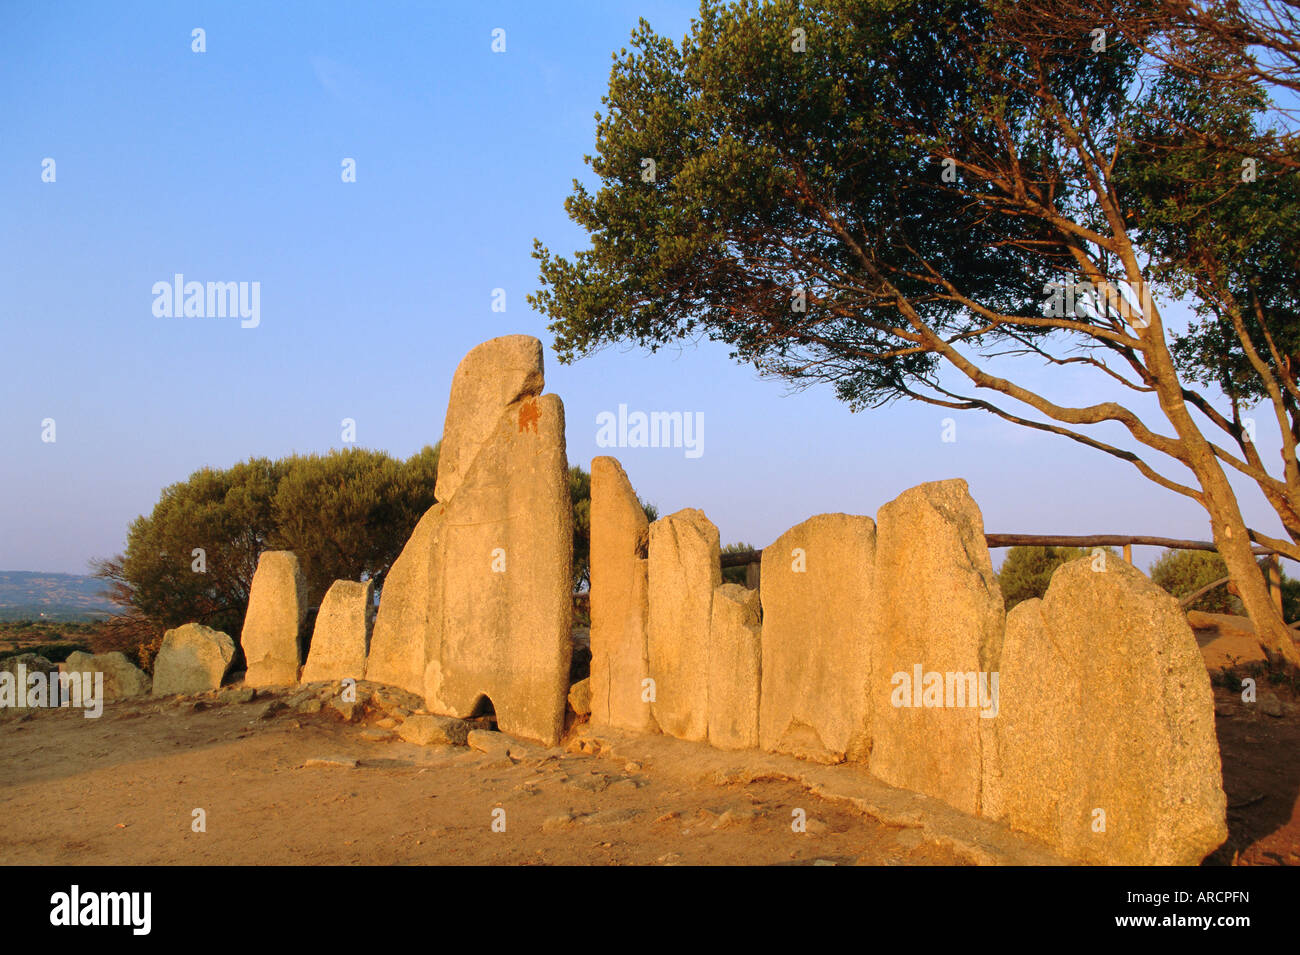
(122, 678)
(619, 601)
(192, 659)
(409, 607)
(939, 609)
(272, 634)
(342, 634)
(507, 566)
(735, 668)
(683, 572)
(30, 663)
(580, 697)
(491, 377)
(818, 585)
(429, 730)
(1108, 711)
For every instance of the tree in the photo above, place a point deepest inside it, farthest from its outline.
(896, 198)
(346, 515)
(1027, 570)
(1183, 572)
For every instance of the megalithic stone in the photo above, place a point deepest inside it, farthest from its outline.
(272, 634)
(735, 668)
(939, 611)
(343, 625)
(491, 377)
(684, 571)
(1106, 723)
(409, 608)
(818, 584)
(619, 605)
(507, 593)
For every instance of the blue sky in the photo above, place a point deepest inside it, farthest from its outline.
(225, 166)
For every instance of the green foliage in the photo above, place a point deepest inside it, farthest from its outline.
(1026, 571)
(346, 515)
(754, 144)
(1182, 572)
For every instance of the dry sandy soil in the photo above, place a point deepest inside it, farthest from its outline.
(122, 790)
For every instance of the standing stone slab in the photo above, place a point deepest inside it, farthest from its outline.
(818, 582)
(409, 607)
(1106, 705)
(272, 634)
(193, 659)
(342, 633)
(122, 678)
(684, 571)
(939, 609)
(735, 668)
(507, 591)
(619, 542)
(494, 375)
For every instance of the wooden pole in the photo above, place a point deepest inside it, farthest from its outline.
(1128, 554)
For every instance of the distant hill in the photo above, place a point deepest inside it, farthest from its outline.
(31, 595)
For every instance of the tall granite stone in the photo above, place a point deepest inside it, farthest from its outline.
(819, 584)
(491, 377)
(1106, 728)
(409, 608)
(940, 617)
(684, 571)
(619, 607)
(735, 668)
(507, 592)
(272, 634)
(342, 633)
(192, 659)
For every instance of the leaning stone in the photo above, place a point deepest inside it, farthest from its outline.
(684, 571)
(409, 607)
(818, 584)
(428, 730)
(939, 611)
(342, 634)
(272, 634)
(493, 376)
(192, 659)
(504, 632)
(1106, 724)
(619, 602)
(735, 667)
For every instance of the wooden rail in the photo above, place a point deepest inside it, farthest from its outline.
(752, 559)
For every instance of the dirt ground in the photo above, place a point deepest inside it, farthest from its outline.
(122, 790)
(279, 786)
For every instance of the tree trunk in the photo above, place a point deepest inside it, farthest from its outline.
(1275, 637)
